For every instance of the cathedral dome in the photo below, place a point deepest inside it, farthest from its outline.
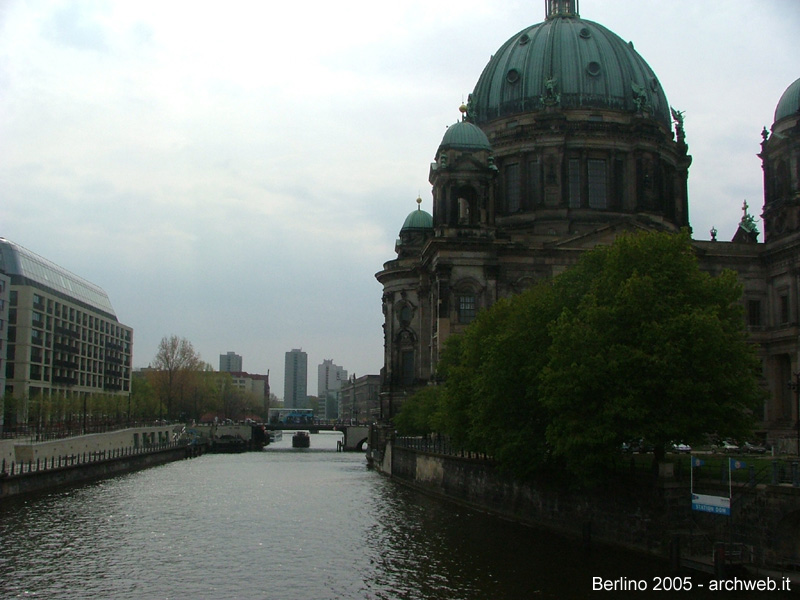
(417, 220)
(463, 135)
(569, 63)
(789, 104)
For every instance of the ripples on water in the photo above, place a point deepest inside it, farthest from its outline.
(283, 524)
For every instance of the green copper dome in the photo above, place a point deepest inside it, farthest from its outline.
(789, 104)
(570, 63)
(465, 136)
(417, 220)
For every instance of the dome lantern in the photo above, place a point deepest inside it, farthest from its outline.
(562, 8)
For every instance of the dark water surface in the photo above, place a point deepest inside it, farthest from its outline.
(290, 525)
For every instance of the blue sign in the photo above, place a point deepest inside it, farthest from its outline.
(718, 505)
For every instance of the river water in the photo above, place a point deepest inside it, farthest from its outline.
(289, 524)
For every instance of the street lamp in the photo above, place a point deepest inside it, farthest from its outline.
(795, 386)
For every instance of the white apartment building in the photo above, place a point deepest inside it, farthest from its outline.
(5, 289)
(63, 335)
(329, 383)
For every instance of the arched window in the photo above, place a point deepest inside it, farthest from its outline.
(467, 307)
(405, 315)
(463, 211)
(405, 357)
(465, 206)
(407, 367)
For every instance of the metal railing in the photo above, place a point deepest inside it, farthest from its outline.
(438, 444)
(12, 468)
(37, 433)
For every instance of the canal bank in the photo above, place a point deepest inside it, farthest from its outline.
(650, 515)
(28, 465)
(71, 470)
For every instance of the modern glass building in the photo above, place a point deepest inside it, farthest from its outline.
(62, 333)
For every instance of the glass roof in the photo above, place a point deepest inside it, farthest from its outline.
(16, 260)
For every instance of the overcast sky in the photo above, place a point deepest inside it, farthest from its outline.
(236, 173)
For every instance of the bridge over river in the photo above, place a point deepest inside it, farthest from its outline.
(355, 436)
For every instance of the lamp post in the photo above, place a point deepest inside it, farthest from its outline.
(795, 386)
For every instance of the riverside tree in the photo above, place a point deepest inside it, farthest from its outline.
(176, 364)
(634, 342)
(656, 349)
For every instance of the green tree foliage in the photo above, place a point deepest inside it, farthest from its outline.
(421, 414)
(633, 342)
(655, 349)
(176, 365)
(144, 404)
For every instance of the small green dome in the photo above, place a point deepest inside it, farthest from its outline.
(464, 135)
(417, 220)
(568, 63)
(789, 104)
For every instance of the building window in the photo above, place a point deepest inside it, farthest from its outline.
(754, 313)
(574, 183)
(534, 183)
(784, 307)
(405, 316)
(467, 308)
(407, 358)
(512, 188)
(598, 184)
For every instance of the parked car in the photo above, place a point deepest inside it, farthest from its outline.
(729, 446)
(681, 447)
(637, 446)
(753, 448)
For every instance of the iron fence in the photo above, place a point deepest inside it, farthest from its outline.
(12, 468)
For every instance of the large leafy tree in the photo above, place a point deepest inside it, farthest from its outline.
(633, 342)
(655, 349)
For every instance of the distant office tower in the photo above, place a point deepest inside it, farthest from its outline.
(295, 380)
(329, 382)
(230, 362)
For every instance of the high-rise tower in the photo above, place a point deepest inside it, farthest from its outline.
(295, 379)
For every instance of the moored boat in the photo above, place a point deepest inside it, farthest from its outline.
(301, 439)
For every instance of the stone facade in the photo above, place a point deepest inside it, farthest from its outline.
(544, 166)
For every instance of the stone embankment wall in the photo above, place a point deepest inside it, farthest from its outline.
(642, 519)
(24, 450)
(70, 473)
(651, 516)
(28, 466)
